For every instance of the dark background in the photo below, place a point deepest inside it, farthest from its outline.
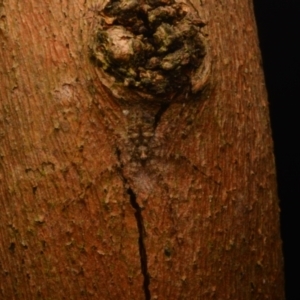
(279, 35)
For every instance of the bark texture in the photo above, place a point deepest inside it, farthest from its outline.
(82, 216)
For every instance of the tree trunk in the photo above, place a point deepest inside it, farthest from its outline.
(108, 192)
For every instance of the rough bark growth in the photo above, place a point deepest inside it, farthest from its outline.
(153, 47)
(110, 192)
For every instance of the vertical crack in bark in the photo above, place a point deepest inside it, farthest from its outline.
(163, 108)
(142, 248)
(141, 229)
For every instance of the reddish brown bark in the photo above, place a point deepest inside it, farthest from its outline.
(199, 219)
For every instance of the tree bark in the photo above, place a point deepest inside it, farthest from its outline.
(83, 218)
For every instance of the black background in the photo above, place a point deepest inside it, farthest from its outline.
(279, 34)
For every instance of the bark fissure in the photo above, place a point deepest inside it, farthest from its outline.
(141, 229)
(142, 248)
(159, 114)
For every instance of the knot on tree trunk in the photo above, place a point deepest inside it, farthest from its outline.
(153, 48)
